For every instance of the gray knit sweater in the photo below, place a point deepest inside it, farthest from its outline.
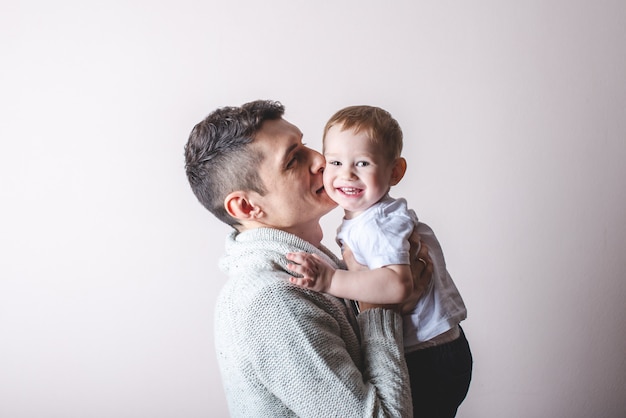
(284, 351)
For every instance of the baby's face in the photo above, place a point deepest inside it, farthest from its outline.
(357, 173)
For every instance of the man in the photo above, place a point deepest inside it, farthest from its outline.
(283, 350)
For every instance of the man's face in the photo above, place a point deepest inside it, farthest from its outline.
(292, 175)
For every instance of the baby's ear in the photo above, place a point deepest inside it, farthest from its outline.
(399, 168)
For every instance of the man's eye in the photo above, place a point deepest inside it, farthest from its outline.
(294, 160)
(362, 164)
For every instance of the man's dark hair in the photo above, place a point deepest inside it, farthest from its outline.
(218, 158)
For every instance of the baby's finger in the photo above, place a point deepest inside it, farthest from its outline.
(299, 268)
(302, 281)
(297, 257)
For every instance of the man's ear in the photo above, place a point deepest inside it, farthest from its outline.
(239, 206)
(399, 168)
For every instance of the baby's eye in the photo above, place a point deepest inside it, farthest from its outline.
(337, 163)
(362, 163)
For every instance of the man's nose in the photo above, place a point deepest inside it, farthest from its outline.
(318, 162)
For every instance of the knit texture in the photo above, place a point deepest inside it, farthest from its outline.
(284, 351)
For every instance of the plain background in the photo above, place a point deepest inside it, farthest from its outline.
(514, 114)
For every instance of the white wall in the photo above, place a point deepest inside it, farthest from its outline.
(515, 121)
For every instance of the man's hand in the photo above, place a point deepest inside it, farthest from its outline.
(421, 269)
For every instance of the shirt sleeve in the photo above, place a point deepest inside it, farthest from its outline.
(304, 350)
(387, 239)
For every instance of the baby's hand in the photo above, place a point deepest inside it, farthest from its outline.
(317, 273)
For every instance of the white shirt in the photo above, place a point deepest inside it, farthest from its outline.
(379, 237)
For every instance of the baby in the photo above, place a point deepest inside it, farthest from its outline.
(362, 146)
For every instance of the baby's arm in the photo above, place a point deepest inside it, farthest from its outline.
(386, 285)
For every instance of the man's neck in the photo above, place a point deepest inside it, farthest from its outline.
(312, 232)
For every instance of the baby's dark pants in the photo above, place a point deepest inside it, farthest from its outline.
(440, 378)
